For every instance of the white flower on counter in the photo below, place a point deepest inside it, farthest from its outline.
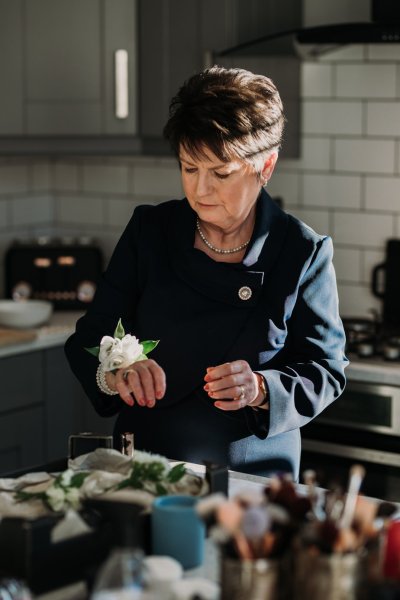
(122, 350)
(72, 498)
(65, 477)
(55, 497)
(107, 471)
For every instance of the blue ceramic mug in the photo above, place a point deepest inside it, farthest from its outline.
(177, 530)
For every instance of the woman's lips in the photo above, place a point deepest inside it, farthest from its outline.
(204, 205)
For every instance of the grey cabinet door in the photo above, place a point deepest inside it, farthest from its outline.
(11, 63)
(67, 408)
(63, 67)
(21, 412)
(70, 71)
(179, 38)
(174, 36)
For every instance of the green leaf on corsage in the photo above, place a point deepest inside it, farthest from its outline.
(149, 345)
(119, 331)
(95, 350)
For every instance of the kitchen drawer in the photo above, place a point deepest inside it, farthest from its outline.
(21, 379)
(21, 439)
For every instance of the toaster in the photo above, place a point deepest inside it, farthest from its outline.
(64, 271)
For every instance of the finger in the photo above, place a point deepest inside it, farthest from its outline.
(147, 383)
(230, 404)
(159, 379)
(123, 388)
(134, 383)
(226, 384)
(229, 368)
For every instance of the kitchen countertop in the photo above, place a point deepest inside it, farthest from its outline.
(54, 333)
(373, 370)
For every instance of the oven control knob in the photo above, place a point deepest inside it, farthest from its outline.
(21, 291)
(85, 291)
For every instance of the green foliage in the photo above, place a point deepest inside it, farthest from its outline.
(119, 330)
(152, 477)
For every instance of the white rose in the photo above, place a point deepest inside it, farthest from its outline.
(132, 349)
(121, 354)
(66, 476)
(55, 497)
(72, 497)
(106, 346)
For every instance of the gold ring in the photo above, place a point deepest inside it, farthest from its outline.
(241, 397)
(126, 373)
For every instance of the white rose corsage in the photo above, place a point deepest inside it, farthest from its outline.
(118, 352)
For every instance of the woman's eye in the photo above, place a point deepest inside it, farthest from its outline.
(221, 175)
(190, 170)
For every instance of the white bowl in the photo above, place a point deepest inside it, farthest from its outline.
(24, 313)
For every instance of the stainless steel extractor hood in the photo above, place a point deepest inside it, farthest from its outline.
(311, 42)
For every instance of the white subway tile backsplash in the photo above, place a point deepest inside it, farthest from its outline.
(365, 156)
(387, 52)
(65, 176)
(286, 186)
(13, 179)
(319, 220)
(32, 210)
(382, 193)
(40, 176)
(365, 81)
(331, 191)
(331, 117)
(315, 154)
(105, 179)
(347, 262)
(349, 53)
(356, 300)
(383, 118)
(316, 80)
(361, 229)
(80, 210)
(161, 181)
(119, 212)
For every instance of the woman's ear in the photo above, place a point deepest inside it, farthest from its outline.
(269, 167)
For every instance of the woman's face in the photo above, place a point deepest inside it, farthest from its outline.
(221, 193)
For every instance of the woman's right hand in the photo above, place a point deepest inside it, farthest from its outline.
(143, 381)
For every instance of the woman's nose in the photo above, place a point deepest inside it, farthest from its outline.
(203, 184)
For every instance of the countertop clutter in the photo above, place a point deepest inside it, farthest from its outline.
(266, 538)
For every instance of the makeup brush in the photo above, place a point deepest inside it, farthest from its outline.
(357, 474)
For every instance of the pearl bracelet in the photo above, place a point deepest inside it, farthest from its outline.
(102, 383)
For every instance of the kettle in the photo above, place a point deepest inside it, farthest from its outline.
(388, 287)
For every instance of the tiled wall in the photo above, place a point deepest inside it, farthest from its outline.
(346, 183)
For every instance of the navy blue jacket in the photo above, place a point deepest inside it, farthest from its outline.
(289, 330)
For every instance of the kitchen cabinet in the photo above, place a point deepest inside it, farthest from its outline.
(57, 68)
(42, 404)
(58, 75)
(179, 38)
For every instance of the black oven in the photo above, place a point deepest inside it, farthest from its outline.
(362, 426)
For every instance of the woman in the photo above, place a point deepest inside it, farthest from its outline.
(241, 295)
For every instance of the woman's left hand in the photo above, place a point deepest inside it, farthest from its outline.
(232, 385)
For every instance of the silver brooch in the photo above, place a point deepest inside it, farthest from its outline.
(245, 293)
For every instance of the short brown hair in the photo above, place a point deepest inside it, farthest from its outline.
(233, 112)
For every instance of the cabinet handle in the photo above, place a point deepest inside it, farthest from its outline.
(121, 84)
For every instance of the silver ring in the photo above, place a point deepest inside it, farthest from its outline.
(126, 373)
(241, 397)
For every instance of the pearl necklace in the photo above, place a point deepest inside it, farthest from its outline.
(219, 250)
